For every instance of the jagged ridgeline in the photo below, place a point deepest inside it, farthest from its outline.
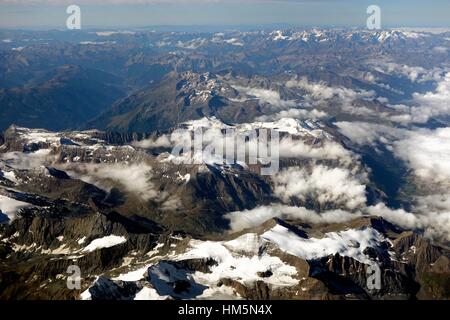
(110, 206)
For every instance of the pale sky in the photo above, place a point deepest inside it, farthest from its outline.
(145, 13)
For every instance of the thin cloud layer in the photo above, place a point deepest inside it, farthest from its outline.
(295, 113)
(413, 73)
(366, 133)
(435, 225)
(134, 178)
(425, 106)
(271, 97)
(240, 220)
(330, 150)
(321, 91)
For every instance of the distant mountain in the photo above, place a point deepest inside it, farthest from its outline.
(63, 98)
(77, 77)
(178, 98)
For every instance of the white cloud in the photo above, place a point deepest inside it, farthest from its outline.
(334, 186)
(435, 224)
(134, 178)
(426, 105)
(240, 220)
(162, 141)
(28, 161)
(436, 209)
(295, 113)
(172, 203)
(427, 152)
(365, 133)
(434, 202)
(319, 94)
(268, 96)
(432, 104)
(321, 91)
(399, 217)
(413, 73)
(330, 150)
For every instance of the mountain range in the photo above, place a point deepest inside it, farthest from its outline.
(89, 176)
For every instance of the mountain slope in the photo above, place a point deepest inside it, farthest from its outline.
(63, 98)
(179, 98)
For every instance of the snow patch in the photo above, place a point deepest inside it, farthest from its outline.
(349, 243)
(10, 206)
(105, 242)
(149, 294)
(135, 275)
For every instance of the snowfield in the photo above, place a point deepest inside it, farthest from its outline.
(105, 242)
(10, 207)
(239, 260)
(349, 243)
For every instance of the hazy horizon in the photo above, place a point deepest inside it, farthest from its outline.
(51, 14)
